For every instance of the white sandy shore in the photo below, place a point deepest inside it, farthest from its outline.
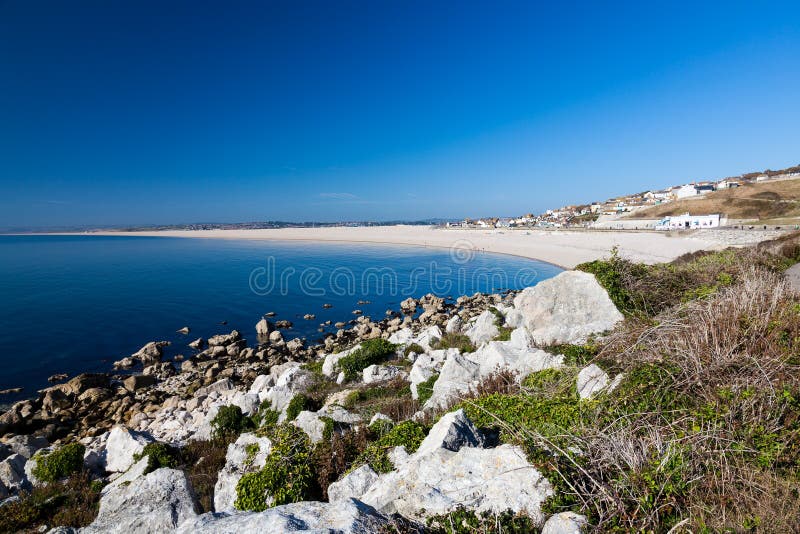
(562, 248)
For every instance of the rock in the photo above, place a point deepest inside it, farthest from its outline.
(150, 353)
(329, 366)
(327, 306)
(409, 305)
(311, 424)
(567, 309)
(428, 337)
(379, 417)
(380, 373)
(9, 391)
(457, 375)
(239, 460)
(223, 340)
(309, 317)
(121, 447)
(565, 523)
(32, 463)
(483, 329)
(276, 338)
(402, 337)
(58, 377)
(426, 365)
(294, 345)
(157, 502)
(591, 380)
(436, 480)
(452, 432)
(135, 471)
(26, 445)
(454, 325)
(264, 327)
(283, 324)
(352, 485)
(134, 382)
(197, 344)
(261, 384)
(12, 472)
(185, 330)
(344, 517)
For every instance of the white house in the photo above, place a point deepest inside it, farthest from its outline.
(685, 191)
(689, 222)
(727, 184)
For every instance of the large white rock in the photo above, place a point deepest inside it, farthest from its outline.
(458, 374)
(454, 325)
(380, 373)
(353, 484)
(428, 337)
(565, 523)
(567, 308)
(121, 447)
(238, 462)
(591, 380)
(426, 365)
(157, 502)
(343, 517)
(452, 432)
(314, 426)
(136, 470)
(482, 329)
(12, 472)
(437, 480)
(402, 336)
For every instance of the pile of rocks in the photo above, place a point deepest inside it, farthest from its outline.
(116, 416)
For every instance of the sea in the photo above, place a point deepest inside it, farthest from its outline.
(72, 304)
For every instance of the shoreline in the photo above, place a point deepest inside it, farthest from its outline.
(562, 248)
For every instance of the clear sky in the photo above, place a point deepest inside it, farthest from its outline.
(144, 112)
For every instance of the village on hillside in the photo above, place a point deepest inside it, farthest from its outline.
(619, 212)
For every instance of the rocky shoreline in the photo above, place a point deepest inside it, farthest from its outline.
(115, 416)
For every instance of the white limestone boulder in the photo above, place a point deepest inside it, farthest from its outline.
(342, 517)
(454, 325)
(122, 445)
(353, 484)
(246, 455)
(567, 309)
(12, 472)
(426, 365)
(380, 373)
(591, 380)
(482, 329)
(157, 502)
(565, 523)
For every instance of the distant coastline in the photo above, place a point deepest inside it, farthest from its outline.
(563, 248)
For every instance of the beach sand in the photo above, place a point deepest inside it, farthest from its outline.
(560, 247)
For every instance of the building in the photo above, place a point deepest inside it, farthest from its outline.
(684, 191)
(704, 189)
(689, 222)
(727, 184)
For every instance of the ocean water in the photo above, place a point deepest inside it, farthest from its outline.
(73, 304)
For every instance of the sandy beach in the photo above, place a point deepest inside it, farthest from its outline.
(563, 248)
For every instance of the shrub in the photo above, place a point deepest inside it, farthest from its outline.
(408, 434)
(299, 403)
(287, 475)
(266, 416)
(463, 521)
(60, 463)
(504, 332)
(372, 351)
(159, 455)
(425, 389)
(393, 399)
(414, 347)
(455, 341)
(230, 421)
(574, 354)
(202, 462)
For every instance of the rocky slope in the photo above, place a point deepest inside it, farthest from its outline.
(455, 467)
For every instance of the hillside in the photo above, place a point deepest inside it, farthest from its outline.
(758, 201)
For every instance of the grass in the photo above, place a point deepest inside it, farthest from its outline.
(371, 352)
(455, 341)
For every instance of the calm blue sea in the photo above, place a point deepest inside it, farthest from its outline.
(77, 303)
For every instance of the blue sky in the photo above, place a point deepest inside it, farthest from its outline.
(168, 112)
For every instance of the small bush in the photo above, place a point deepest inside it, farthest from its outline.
(372, 351)
(202, 462)
(415, 348)
(230, 421)
(425, 389)
(574, 354)
(60, 463)
(298, 404)
(462, 521)
(455, 341)
(287, 475)
(159, 455)
(314, 366)
(408, 434)
(266, 416)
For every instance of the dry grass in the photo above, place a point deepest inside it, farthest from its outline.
(766, 200)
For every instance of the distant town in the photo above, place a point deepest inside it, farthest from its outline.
(611, 212)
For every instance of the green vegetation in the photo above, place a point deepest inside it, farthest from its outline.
(504, 332)
(287, 475)
(393, 399)
(159, 455)
(298, 404)
(230, 422)
(575, 354)
(372, 351)
(455, 341)
(464, 521)
(251, 450)
(425, 389)
(60, 463)
(408, 434)
(414, 347)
